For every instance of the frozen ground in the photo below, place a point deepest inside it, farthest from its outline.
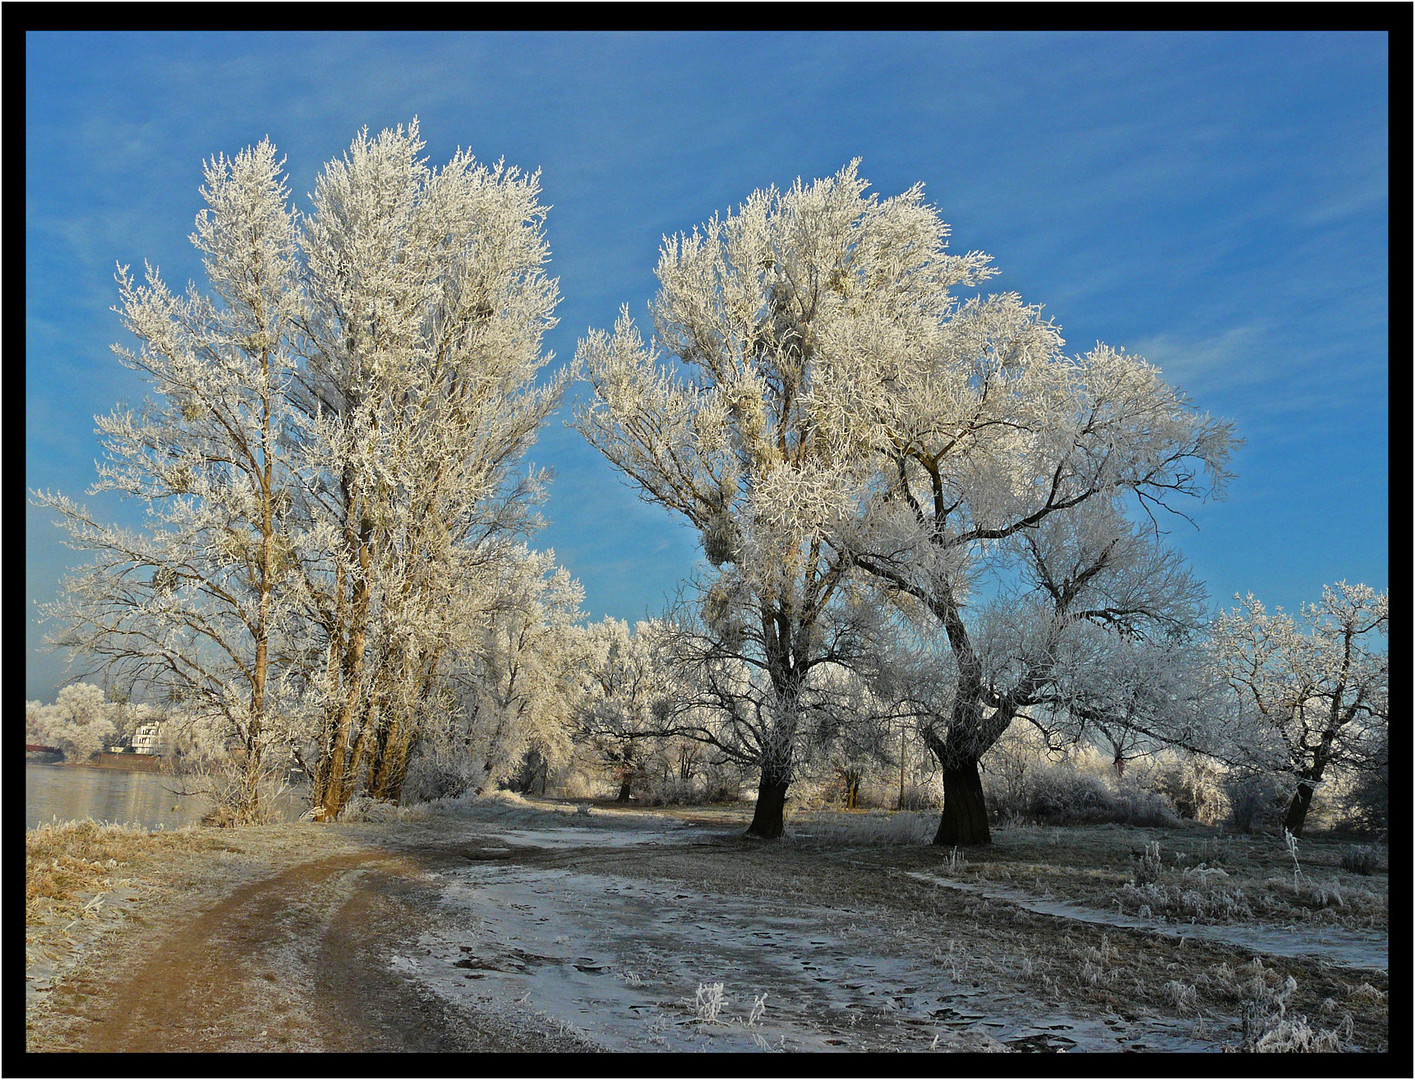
(1368, 951)
(636, 965)
(502, 925)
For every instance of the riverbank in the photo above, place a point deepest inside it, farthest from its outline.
(125, 762)
(147, 763)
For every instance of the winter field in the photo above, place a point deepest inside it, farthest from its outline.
(511, 924)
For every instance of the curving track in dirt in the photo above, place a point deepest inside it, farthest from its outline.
(298, 961)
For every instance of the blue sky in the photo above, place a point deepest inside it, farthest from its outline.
(1215, 202)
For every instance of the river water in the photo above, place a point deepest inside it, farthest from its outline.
(72, 793)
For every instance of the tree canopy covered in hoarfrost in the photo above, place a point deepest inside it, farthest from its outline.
(330, 456)
(918, 512)
(839, 418)
(1309, 693)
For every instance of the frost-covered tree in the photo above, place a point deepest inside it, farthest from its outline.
(1133, 695)
(618, 717)
(727, 692)
(34, 730)
(80, 722)
(426, 304)
(841, 395)
(731, 439)
(1074, 645)
(511, 698)
(988, 455)
(190, 607)
(330, 457)
(1315, 691)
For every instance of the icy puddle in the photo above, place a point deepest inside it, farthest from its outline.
(1369, 952)
(634, 965)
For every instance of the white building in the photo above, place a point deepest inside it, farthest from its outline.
(148, 739)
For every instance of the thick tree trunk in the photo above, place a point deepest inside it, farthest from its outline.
(1297, 811)
(852, 789)
(1308, 779)
(964, 822)
(626, 781)
(768, 819)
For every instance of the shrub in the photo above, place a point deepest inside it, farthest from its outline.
(711, 785)
(873, 827)
(1058, 795)
(1360, 860)
(1269, 1029)
(1201, 903)
(1193, 786)
(1148, 864)
(919, 797)
(1062, 794)
(1368, 802)
(362, 808)
(432, 775)
(1256, 800)
(576, 784)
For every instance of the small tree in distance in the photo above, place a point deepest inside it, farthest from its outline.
(1313, 694)
(80, 722)
(625, 692)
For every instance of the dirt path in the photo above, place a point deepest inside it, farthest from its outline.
(296, 961)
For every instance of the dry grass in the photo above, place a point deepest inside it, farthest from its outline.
(1191, 873)
(872, 827)
(68, 863)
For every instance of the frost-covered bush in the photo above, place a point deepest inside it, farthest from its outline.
(433, 774)
(1267, 1027)
(1005, 769)
(1184, 903)
(1062, 794)
(577, 784)
(1192, 784)
(1148, 865)
(1360, 860)
(1256, 801)
(873, 827)
(1366, 807)
(1058, 794)
(870, 795)
(710, 784)
(362, 808)
(920, 797)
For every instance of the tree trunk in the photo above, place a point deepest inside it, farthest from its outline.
(626, 780)
(1297, 811)
(852, 789)
(768, 819)
(964, 822)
